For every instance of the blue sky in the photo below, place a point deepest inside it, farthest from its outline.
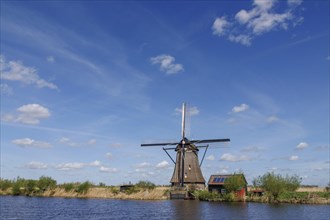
(84, 83)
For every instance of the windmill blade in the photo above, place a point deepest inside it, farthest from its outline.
(159, 144)
(209, 141)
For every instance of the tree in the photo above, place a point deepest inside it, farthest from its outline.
(275, 184)
(145, 185)
(235, 182)
(45, 183)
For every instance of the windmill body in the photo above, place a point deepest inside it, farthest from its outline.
(187, 169)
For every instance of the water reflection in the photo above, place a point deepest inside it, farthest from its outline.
(60, 208)
(186, 209)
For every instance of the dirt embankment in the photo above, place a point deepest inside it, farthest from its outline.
(159, 193)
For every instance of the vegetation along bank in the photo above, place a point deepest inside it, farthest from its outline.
(269, 188)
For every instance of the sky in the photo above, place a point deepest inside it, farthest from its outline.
(85, 83)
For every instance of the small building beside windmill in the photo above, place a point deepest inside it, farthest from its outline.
(217, 184)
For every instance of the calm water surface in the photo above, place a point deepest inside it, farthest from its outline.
(62, 208)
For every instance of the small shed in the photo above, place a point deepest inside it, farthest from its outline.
(217, 184)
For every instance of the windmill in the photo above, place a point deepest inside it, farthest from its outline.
(187, 167)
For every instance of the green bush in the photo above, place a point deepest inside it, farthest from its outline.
(205, 195)
(18, 187)
(234, 182)
(68, 187)
(145, 185)
(45, 183)
(5, 184)
(229, 197)
(83, 187)
(131, 190)
(114, 190)
(275, 184)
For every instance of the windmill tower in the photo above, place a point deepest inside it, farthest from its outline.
(187, 169)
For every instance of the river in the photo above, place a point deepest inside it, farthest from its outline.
(20, 207)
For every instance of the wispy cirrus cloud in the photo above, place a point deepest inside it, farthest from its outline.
(17, 71)
(77, 165)
(68, 142)
(233, 158)
(6, 90)
(28, 114)
(104, 169)
(28, 142)
(36, 165)
(262, 18)
(167, 64)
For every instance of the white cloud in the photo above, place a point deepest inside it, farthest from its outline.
(240, 108)
(219, 26)
(108, 155)
(251, 149)
(16, 71)
(233, 158)
(162, 165)
(77, 165)
(222, 171)
(69, 142)
(263, 17)
(6, 90)
(91, 142)
(301, 145)
(27, 142)
(115, 145)
(211, 157)
(242, 39)
(95, 163)
(267, 22)
(108, 169)
(36, 165)
(143, 165)
(167, 64)
(69, 166)
(294, 2)
(294, 157)
(272, 119)
(51, 59)
(28, 114)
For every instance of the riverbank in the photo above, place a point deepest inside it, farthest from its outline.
(158, 193)
(301, 196)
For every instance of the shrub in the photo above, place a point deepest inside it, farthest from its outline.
(68, 187)
(234, 183)
(83, 187)
(18, 187)
(31, 187)
(132, 190)
(114, 190)
(145, 185)
(274, 184)
(205, 195)
(45, 183)
(5, 184)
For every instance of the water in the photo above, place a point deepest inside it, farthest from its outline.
(63, 208)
